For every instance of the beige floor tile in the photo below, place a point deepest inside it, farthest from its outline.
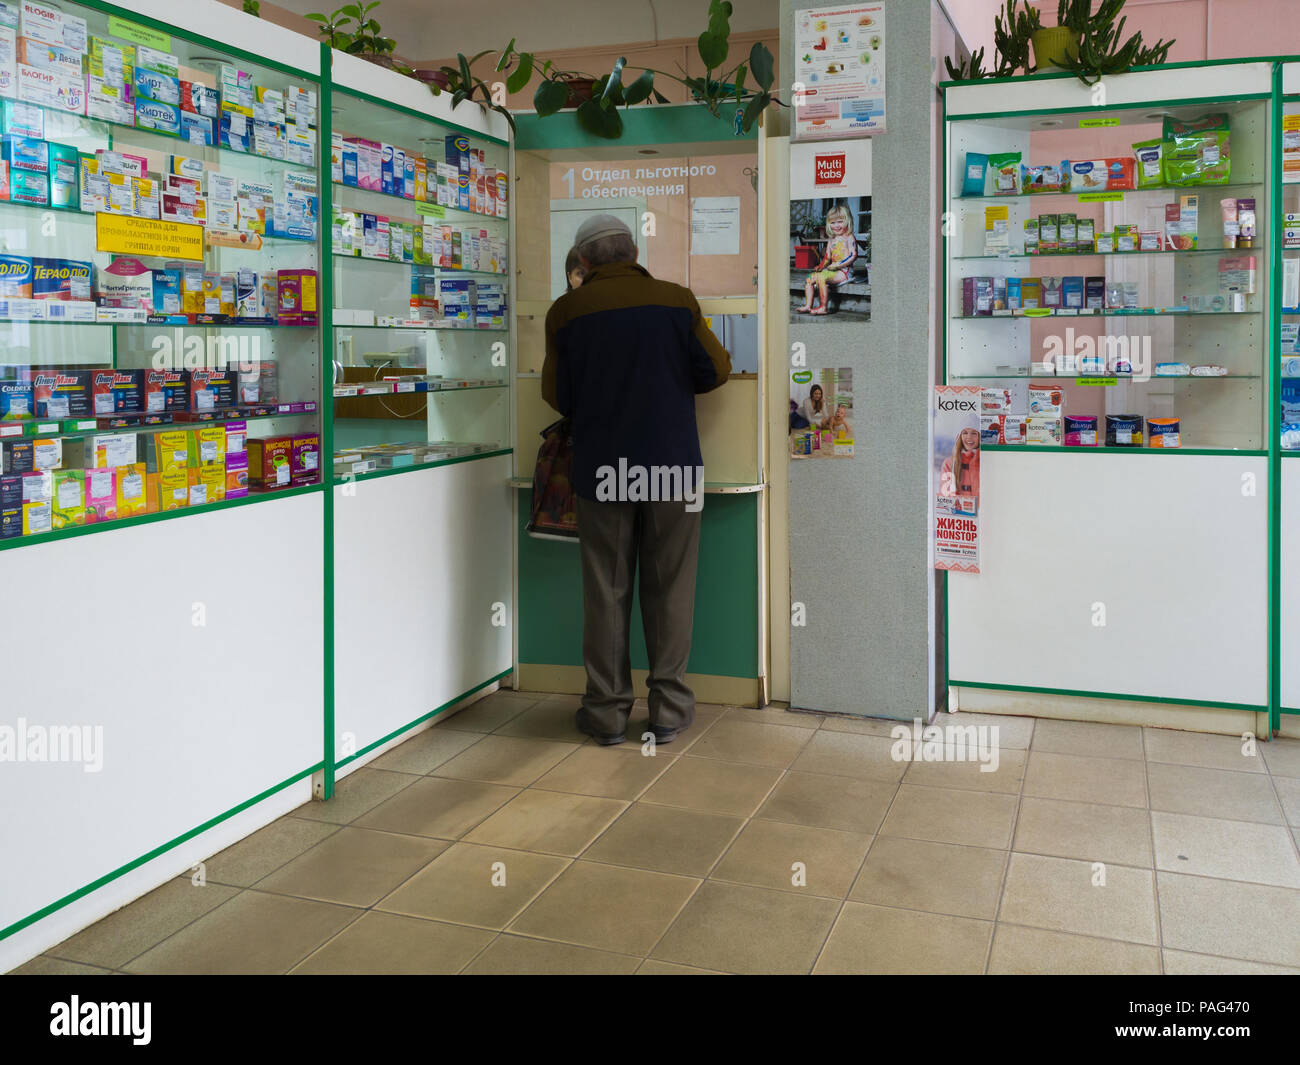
(353, 867)
(47, 966)
(254, 933)
(1233, 850)
(977, 819)
(1037, 952)
(492, 712)
(607, 907)
(1096, 739)
(1253, 922)
(384, 943)
(1181, 963)
(521, 956)
(1110, 781)
(765, 853)
(361, 790)
(112, 942)
(426, 750)
(611, 774)
(734, 740)
(510, 760)
(1288, 791)
(1282, 756)
(438, 806)
(937, 877)
(822, 801)
(665, 839)
(1012, 732)
(849, 754)
(1202, 749)
(1186, 789)
(734, 928)
(774, 715)
(864, 726)
(667, 968)
(487, 887)
(551, 719)
(968, 773)
(253, 857)
(551, 822)
(1087, 831)
(1060, 895)
(715, 787)
(881, 940)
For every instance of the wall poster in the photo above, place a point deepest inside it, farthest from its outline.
(840, 62)
(956, 418)
(821, 413)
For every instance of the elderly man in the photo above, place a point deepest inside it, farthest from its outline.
(626, 355)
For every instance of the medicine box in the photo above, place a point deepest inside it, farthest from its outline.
(270, 462)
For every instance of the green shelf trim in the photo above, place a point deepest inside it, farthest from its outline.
(372, 474)
(388, 105)
(1255, 708)
(657, 124)
(325, 185)
(1288, 709)
(146, 519)
(1139, 315)
(423, 718)
(1273, 602)
(1052, 255)
(454, 214)
(1055, 75)
(135, 863)
(1083, 109)
(341, 260)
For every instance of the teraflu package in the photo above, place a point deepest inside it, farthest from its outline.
(62, 279)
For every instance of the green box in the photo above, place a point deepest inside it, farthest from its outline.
(1031, 236)
(65, 176)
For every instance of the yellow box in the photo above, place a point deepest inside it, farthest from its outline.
(173, 488)
(168, 451)
(421, 178)
(37, 517)
(206, 446)
(207, 483)
(132, 496)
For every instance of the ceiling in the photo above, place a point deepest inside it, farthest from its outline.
(426, 29)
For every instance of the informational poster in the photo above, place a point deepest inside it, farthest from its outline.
(715, 225)
(840, 62)
(821, 413)
(957, 477)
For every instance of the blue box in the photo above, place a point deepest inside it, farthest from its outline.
(16, 401)
(162, 88)
(408, 178)
(386, 169)
(11, 506)
(198, 129)
(166, 291)
(25, 153)
(158, 116)
(22, 119)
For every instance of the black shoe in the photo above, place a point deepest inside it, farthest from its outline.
(605, 739)
(664, 735)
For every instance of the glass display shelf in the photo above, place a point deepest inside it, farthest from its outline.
(1118, 379)
(1116, 195)
(1024, 317)
(353, 196)
(1049, 256)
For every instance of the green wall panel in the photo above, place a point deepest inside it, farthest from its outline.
(725, 636)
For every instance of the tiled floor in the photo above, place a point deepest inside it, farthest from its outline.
(759, 842)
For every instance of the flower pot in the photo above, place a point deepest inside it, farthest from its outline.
(439, 78)
(1054, 46)
(386, 61)
(580, 90)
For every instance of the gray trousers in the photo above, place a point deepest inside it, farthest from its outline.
(664, 538)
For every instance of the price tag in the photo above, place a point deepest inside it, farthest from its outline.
(1094, 123)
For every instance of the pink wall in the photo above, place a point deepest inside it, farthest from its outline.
(1202, 29)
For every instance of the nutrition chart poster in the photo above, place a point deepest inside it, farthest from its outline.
(840, 62)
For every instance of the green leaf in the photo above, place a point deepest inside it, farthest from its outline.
(740, 81)
(521, 75)
(660, 98)
(353, 10)
(713, 49)
(753, 109)
(599, 121)
(640, 89)
(458, 97)
(466, 78)
(316, 16)
(614, 83)
(550, 97)
(504, 60)
(761, 65)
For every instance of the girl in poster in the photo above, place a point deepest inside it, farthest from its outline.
(960, 474)
(836, 265)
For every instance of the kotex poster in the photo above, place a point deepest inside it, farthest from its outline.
(956, 418)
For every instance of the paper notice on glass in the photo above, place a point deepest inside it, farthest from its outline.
(715, 225)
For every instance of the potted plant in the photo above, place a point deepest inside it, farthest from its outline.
(354, 29)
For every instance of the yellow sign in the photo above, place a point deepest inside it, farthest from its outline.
(146, 236)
